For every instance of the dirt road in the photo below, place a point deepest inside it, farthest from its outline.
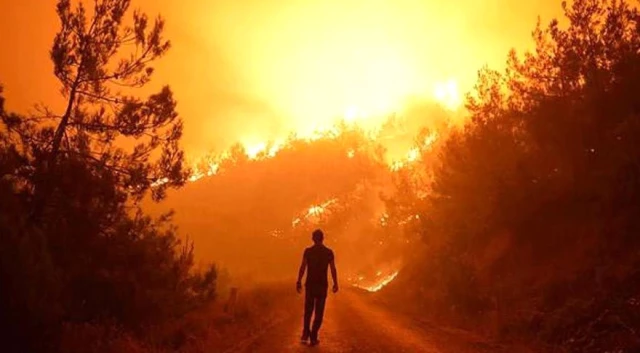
(353, 324)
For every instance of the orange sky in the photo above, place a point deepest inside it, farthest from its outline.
(255, 69)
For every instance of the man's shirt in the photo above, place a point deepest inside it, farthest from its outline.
(318, 258)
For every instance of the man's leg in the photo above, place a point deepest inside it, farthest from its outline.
(319, 315)
(308, 311)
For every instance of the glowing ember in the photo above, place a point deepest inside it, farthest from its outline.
(313, 212)
(384, 219)
(409, 219)
(351, 153)
(159, 182)
(317, 210)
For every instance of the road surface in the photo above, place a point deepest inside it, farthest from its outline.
(353, 324)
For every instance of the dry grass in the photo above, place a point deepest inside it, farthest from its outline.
(212, 329)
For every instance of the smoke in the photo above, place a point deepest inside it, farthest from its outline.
(253, 71)
(257, 70)
(268, 68)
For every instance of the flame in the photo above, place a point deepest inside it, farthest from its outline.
(321, 208)
(413, 154)
(372, 111)
(313, 212)
(159, 182)
(429, 140)
(274, 149)
(261, 149)
(380, 283)
(447, 94)
(252, 151)
(209, 166)
(351, 153)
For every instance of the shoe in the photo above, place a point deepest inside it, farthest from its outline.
(314, 339)
(305, 336)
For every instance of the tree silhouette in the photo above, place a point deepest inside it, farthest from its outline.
(99, 62)
(541, 186)
(75, 247)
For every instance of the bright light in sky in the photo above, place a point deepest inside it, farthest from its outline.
(351, 114)
(448, 94)
(260, 69)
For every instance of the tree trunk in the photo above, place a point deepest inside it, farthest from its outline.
(42, 184)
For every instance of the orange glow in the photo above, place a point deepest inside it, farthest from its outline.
(267, 73)
(265, 69)
(209, 166)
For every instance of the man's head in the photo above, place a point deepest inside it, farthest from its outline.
(317, 236)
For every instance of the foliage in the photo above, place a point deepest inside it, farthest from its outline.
(99, 61)
(75, 246)
(541, 187)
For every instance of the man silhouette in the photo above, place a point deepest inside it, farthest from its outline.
(316, 259)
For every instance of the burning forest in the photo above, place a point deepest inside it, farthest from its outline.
(342, 190)
(378, 176)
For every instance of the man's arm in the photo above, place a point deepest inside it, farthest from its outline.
(334, 274)
(303, 267)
